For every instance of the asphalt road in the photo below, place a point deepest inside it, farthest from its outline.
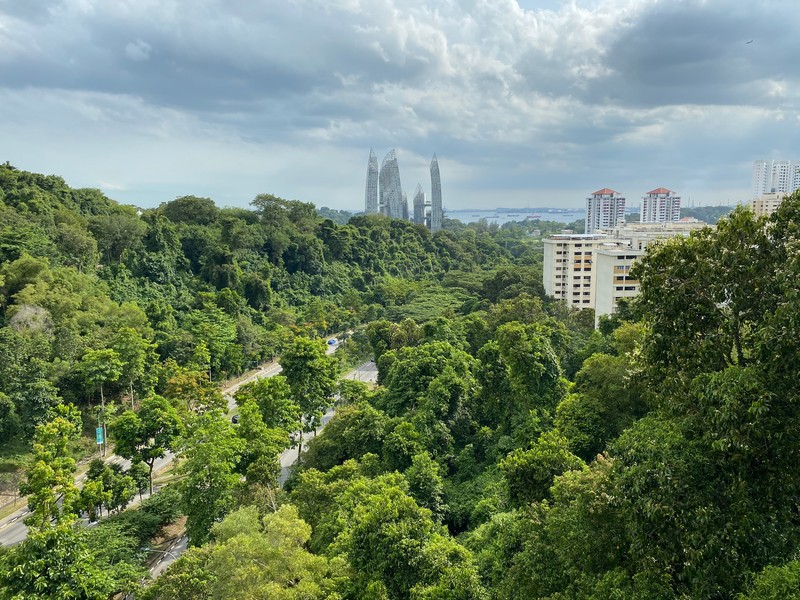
(13, 530)
(366, 372)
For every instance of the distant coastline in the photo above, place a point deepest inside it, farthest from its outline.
(506, 215)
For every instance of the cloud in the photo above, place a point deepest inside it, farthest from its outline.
(539, 96)
(138, 51)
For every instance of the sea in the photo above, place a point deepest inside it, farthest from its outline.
(561, 215)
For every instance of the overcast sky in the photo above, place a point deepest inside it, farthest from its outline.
(526, 103)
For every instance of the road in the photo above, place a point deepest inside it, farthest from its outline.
(366, 372)
(12, 528)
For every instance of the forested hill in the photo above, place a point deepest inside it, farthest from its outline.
(509, 451)
(202, 286)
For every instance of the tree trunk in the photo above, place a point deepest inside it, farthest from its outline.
(151, 464)
(103, 407)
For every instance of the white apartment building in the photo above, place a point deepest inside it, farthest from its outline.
(639, 235)
(569, 267)
(613, 265)
(778, 176)
(604, 208)
(766, 204)
(591, 270)
(660, 206)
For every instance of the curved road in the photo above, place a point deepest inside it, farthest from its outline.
(13, 530)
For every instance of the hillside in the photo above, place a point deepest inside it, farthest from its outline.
(509, 451)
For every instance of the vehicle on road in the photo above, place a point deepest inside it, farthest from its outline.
(333, 342)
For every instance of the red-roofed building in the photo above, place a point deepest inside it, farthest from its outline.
(604, 208)
(660, 206)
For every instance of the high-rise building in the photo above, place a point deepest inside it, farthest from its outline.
(371, 192)
(390, 194)
(592, 270)
(613, 282)
(568, 267)
(775, 176)
(419, 206)
(604, 208)
(660, 206)
(762, 177)
(436, 196)
(404, 205)
(766, 204)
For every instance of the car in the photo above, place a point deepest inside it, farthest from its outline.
(333, 342)
(235, 419)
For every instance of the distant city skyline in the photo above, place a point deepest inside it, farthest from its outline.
(529, 103)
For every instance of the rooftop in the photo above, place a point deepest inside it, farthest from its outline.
(604, 192)
(661, 190)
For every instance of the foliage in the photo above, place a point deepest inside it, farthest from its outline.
(251, 557)
(147, 435)
(212, 452)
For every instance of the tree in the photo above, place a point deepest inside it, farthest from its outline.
(251, 557)
(392, 544)
(425, 484)
(51, 563)
(776, 583)
(49, 481)
(194, 390)
(212, 450)
(529, 473)
(99, 367)
(9, 421)
(190, 209)
(137, 357)
(311, 375)
(147, 435)
(259, 457)
(273, 396)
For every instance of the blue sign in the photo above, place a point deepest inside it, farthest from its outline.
(99, 433)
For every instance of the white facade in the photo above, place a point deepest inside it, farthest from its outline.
(613, 279)
(591, 270)
(436, 196)
(569, 267)
(766, 204)
(775, 176)
(604, 208)
(639, 235)
(660, 206)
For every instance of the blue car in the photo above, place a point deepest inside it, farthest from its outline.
(333, 342)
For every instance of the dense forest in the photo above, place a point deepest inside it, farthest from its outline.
(508, 451)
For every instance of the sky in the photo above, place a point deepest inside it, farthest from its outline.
(526, 103)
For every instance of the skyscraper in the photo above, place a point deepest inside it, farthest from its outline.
(436, 196)
(404, 205)
(604, 208)
(660, 206)
(778, 176)
(390, 194)
(419, 206)
(371, 192)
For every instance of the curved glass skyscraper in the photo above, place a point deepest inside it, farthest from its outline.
(390, 194)
(371, 193)
(419, 206)
(436, 196)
